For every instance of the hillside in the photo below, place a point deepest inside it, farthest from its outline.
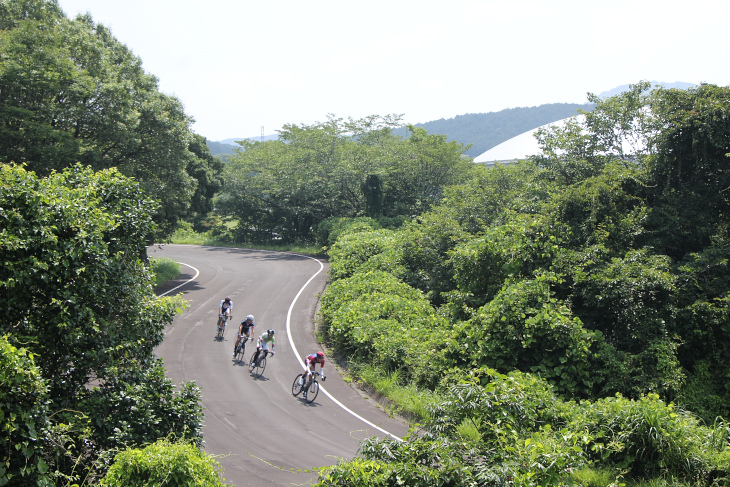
(486, 130)
(482, 130)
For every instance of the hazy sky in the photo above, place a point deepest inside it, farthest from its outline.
(239, 65)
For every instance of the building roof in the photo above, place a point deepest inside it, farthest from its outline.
(518, 147)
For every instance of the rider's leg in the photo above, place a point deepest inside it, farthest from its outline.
(255, 358)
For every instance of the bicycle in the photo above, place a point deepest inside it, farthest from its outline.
(260, 364)
(308, 389)
(240, 349)
(221, 326)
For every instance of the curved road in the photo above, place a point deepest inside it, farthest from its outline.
(258, 431)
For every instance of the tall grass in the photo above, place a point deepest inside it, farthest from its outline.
(404, 398)
(164, 269)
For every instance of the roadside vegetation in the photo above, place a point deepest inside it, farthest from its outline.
(565, 316)
(163, 270)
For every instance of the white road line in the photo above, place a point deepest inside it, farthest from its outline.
(301, 362)
(291, 341)
(197, 273)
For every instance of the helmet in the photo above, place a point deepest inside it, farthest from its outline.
(228, 298)
(320, 354)
(249, 317)
(270, 332)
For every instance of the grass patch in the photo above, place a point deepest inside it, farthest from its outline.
(189, 237)
(592, 477)
(408, 399)
(164, 269)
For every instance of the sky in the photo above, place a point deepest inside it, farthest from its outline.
(242, 66)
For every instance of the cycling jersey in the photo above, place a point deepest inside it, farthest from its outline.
(314, 359)
(225, 306)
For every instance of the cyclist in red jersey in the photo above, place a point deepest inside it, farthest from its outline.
(310, 364)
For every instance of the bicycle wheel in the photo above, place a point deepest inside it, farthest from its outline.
(296, 387)
(258, 366)
(239, 351)
(251, 363)
(218, 333)
(311, 393)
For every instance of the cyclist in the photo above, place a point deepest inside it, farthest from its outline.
(263, 344)
(245, 329)
(224, 309)
(310, 364)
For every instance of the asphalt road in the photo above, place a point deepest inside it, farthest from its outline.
(256, 429)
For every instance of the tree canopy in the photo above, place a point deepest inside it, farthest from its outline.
(72, 93)
(78, 301)
(598, 269)
(339, 168)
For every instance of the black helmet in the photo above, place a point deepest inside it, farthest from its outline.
(270, 332)
(228, 298)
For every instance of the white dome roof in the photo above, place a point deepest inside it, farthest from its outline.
(518, 147)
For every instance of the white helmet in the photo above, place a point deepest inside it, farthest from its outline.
(249, 317)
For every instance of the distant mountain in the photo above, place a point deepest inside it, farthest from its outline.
(482, 130)
(227, 146)
(487, 130)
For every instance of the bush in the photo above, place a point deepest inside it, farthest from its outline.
(23, 419)
(648, 438)
(376, 318)
(526, 328)
(353, 250)
(161, 464)
(164, 269)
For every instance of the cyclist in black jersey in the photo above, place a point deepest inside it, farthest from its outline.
(245, 329)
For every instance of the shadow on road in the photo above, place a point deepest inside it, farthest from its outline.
(304, 402)
(264, 255)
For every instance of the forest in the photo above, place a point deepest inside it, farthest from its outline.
(565, 316)
(563, 320)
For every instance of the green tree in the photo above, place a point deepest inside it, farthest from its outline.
(619, 129)
(338, 168)
(690, 174)
(72, 93)
(419, 169)
(207, 170)
(79, 297)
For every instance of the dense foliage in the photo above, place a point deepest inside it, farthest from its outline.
(80, 323)
(284, 189)
(23, 419)
(70, 92)
(600, 266)
(163, 464)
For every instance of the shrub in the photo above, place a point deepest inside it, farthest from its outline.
(23, 419)
(164, 269)
(163, 463)
(526, 328)
(353, 250)
(648, 438)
